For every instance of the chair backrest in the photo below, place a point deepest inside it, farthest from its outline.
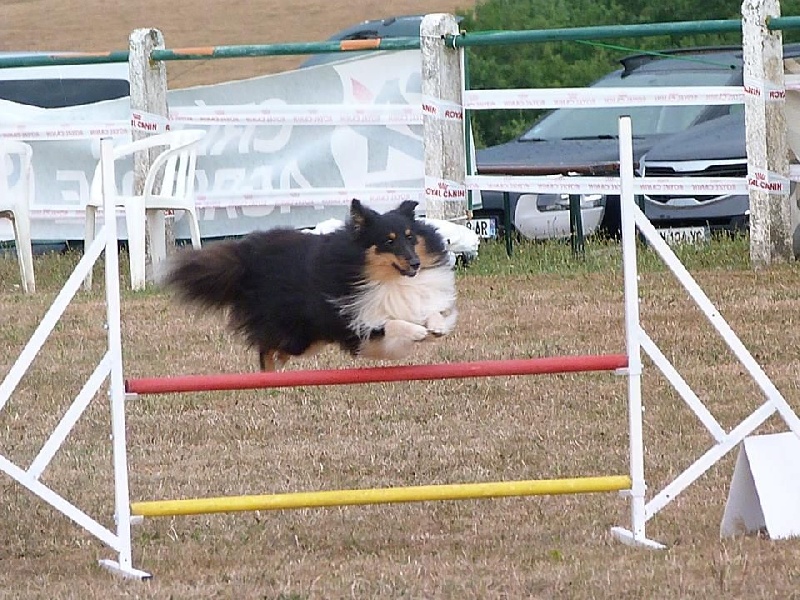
(177, 163)
(16, 174)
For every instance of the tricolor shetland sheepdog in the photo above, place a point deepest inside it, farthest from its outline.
(374, 287)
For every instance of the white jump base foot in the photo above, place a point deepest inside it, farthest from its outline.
(626, 537)
(127, 573)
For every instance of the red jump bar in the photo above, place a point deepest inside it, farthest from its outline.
(486, 368)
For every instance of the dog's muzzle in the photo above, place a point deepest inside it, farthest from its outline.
(411, 270)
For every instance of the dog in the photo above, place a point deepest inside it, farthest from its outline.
(375, 287)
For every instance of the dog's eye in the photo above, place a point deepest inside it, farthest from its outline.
(389, 241)
(410, 237)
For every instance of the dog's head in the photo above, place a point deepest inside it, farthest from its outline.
(388, 239)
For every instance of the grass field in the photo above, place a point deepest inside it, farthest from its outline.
(540, 302)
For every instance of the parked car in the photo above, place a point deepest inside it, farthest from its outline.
(712, 149)
(391, 27)
(62, 86)
(584, 141)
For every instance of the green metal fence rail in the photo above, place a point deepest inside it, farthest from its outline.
(66, 58)
(478, 38)
(400, 43)
(783, 23)
(209, 52)
(599, 32)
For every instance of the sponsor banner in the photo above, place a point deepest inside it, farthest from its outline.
(298, 114)
(444, 189)
(243, 163)
(65, 131)
(442, 109)
(607, 185)
(601, 97)
(150, 123)
(769, 91)
(381, 199)
(766, 181)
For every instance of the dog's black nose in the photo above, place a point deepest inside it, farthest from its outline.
(414, 263)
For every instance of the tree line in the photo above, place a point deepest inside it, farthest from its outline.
(576, 63)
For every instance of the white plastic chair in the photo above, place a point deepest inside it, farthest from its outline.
(169, 185)
(16, 190)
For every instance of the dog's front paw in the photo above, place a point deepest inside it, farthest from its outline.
(440, 324)
(405, 330)
(437, 325)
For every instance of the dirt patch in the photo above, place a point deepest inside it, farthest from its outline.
(97, 25)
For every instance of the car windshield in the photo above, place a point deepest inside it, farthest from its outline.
(58, 93)
(591, 123)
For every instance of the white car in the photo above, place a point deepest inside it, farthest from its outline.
(537, 224)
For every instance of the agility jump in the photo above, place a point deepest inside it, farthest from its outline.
(629, 365)
(500, 489)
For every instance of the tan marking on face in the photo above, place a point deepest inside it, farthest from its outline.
(392, 235)
(382, 266)
(426, 258)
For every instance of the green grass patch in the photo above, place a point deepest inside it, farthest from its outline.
(604, 255)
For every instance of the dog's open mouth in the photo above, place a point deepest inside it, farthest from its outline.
(408, 271)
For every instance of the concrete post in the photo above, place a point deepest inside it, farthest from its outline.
(149, 95)
(791, 71)
(443, 120)
(767, 147)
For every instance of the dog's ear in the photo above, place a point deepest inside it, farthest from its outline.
(407, 207)
(360, 215)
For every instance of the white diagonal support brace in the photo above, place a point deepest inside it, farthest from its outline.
(71, 417)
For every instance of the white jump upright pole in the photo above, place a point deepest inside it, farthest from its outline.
(122, 506)
(636, 536)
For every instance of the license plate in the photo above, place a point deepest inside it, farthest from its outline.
(485, 228)
(685, 235)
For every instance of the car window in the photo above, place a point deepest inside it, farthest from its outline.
(645, 120)
(58, 93)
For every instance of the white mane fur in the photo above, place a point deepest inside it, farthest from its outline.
(427, 299)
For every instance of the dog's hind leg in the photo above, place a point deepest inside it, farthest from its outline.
(272, 360)
(266, 360)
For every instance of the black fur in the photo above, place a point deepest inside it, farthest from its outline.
(283, 289)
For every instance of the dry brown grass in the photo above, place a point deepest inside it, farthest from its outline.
(407, 433)
(99, 25)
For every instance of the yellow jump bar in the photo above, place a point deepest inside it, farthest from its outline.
(463, 491)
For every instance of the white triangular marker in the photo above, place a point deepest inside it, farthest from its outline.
(765, 488)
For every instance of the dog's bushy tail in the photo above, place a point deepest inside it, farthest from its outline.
(209, 278)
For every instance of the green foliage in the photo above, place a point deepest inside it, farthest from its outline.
(574, 63)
